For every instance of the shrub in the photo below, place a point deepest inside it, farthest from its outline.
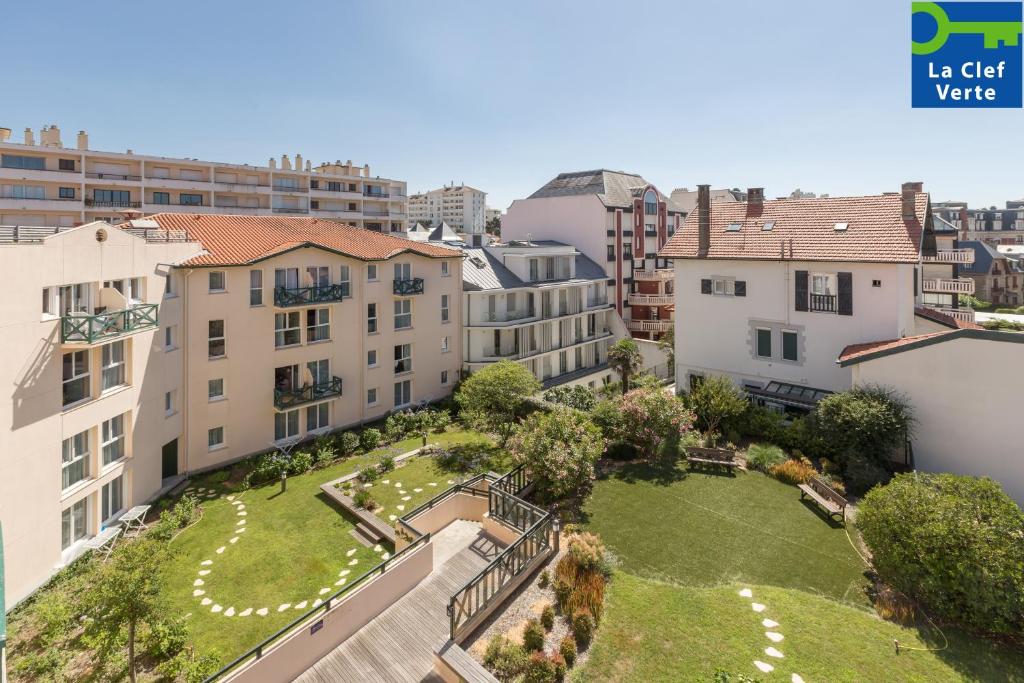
(868, 421)
(369, 439)
(563, 591)
(217, 477)
(369, 474)
(559, 449)
(533, 636)
(268, 467)
(347, 443)
(577, 396)
(653, 421)
(492, 398)
(583, 627)
(363, 499)
(793, 472)
(561, 668)
(547, 617)
(545, 579)
(165, 639)
(505, 659)
(386, 464)
(863, 474)
(567, 648)
(607, 417)
(396, 427)
(763, 458)
(955, 543)
(539, 669)
(715, 401)
(300, 463)
(586, 551)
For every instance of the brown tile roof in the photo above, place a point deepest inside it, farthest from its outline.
(876, 230)
(943, 319)
(238, 240)
(857, 350)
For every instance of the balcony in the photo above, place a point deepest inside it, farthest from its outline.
(651, 299)
(649, 325)
(375, 212)
(658, 274)
(376, 195)
(289, 209)
(597, 302)
(948, 286)
(408, 287)
(113, 176)
(89, 201)
(304, 296)
(962, 314)
(822, 303)
(286, 398)
(508, 317)
(79, 328)
(289, 188)
(950, 256)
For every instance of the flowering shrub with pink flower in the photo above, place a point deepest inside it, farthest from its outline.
(559, 449)
(652, 419)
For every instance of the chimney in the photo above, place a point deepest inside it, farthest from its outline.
(29, 138)
(298, 162)
(908, 192)
(703, 220)
(55, 136)
(286, 163)
(366, 170)
(83, 140)
(755, 196)
(272, 163)
(5, 134)
(309, 166)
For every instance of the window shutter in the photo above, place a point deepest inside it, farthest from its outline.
(705, 286)
(915, 280)
(845, 303)
(740, 288)
(801, 290)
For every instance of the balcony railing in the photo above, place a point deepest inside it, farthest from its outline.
(408, 287)
(289, 398)
(657, 274)
(947, 286)
(38, 199)
(963, 314)
(651, 299)
(89, 329)
(950, 256)
(287, 209)
(112, 176)
(89, 201)
(824, 303)
(317, 294)
(374, 212)
(597, 301)
(289, 188)
(372, 193)
(649, 325)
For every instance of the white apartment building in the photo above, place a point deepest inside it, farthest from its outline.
(618, 220)
(180, 342)
(460, 206)
(46, 183)
(542, 304)
(771, 292)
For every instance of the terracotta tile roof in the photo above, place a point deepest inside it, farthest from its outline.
(238, 240)
(857, 350)
(947, 320)
(876, 230)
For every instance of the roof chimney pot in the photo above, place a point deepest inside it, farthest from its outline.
(83, 140)
(30, 139)
(908, 194)
(703, 220)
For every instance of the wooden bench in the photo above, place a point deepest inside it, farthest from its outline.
(824, 495)
(711, 457)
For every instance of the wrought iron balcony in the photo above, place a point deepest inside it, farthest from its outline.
(289, 398)
(112, 204)
(303, 296)
(89, 329)
(408, 287)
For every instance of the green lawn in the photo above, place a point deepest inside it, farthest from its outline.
(688, 543)
(409, 485)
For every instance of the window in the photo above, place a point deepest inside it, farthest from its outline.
(214, 438)
(345, 281)
(371, 272)
(318, 417)
(444, 269)
(403, 358)
(255, 287)
(319, 276)
(403, 393)
(764, 343)
(371, 358)
(286, 425)
(190, 199)
(444, 307)
(66, 192)
(169, 285)
(215, 335)
(73, 524)
(286, 278)
(318, 325)
(169, 334)
(286, 329)
(111, 197)
(112, 372)
(444, 377)
(73, 299)
(112, 499)
(403, 271)
(47, 301)
(112, 444)
(723, 287)
(320, 371)
(627, 252)
(74, 459)
(823, 284)
(789, 345)
(161, 197)
(371, 318)
(444, 344)
(403, 314)
(216, 281)
(18, 161)
(314, 204)
(215, 389)
(169, 401)
(371, 397)
(75, 376)
(24, 192)
(534, 270)
(650, 203)
(66, 164)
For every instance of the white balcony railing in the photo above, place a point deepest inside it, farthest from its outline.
(658, 274)
(950, 256)
(963, 314)
(947, 286)
(649, 325)
(651, 299)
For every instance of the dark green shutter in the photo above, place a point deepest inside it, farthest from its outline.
(705, 286)
(845, 294)
(740, 288)
(801, 290)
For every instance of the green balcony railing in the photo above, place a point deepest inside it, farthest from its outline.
(289, 398)
(89, 329)
(407, 287)
(317, 294)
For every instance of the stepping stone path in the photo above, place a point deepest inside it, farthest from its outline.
(398, 484)
(324, 590)
(229, 612)
(451, 481)
(345, 572)
(763, 666)
(340, 582)
(284, 607)
(246, 612)
(746, 593)
(354, 562)
(433, 483)
(367, 486)
(768, 623)
(301, 605)
(417, 490)
(392, 518)
(350, 553)
(385, 556)
(205, 601)
(317, 602)
(262, 611)
(406, 497)
(197, 592)
(772, 652)
(796, 678)
(386, 481)
(400, 507)
(234, 540)
(774, 636)
(204, 572)
(216, 608)
(197, 582)
(757, 607)
(206, 563)
(240, 522)
(220, 550)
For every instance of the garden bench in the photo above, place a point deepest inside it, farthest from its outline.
(825, 496)
(711, 457)
(103, 542)
(134, 520)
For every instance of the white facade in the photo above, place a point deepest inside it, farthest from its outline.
(460, 206)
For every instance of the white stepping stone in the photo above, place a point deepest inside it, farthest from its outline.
(220, 550)
(197, 582)
(205, 601)
(406, 497)
(377, 548)
(201, 489)
(774, 637)
(216, 608)
(451, 481)
(284, 607)
(417, 490)
(385, 556)
(746, 593)
(234, 540)
(240, 507)
(243, 513)
(317, 602)
(398, 484)
(262, 611)
(229, 612)
(197, 592)
(765, 667)
(433, 483)
(385, 481)
(240, 531)
(301, 605)
(340, 582)
(344, 572)
(392, 518)
(246, 612)
(400, 507)
(772, 652)
(796, 678)
(768, 623)
(204, 572)
(231, 497)
(324, 590)
(401, 493)
(354, 562)
(206, 563)
(757, 607)
(240, 522)
(190, 488)
(210, 495)
(350, 553)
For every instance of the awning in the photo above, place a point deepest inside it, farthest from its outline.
(789, 394)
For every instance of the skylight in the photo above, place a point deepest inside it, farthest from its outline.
(768, 226)
(477, 261)
(733, 227)
(841, 227)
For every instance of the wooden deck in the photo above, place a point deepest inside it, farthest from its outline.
(397, 646)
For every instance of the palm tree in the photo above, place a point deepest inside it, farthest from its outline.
(624, 357)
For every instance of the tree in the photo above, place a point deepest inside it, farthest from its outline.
(870, 422)
(125, 595)
(715, 400)
(653, 421)
(492, 397)
(493, 226)
(576, 396)
(667, 343)
(624, 357)
(559, 450)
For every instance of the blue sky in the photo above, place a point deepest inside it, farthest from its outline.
(503, 96)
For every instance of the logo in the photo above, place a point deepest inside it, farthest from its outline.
(966, 54)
